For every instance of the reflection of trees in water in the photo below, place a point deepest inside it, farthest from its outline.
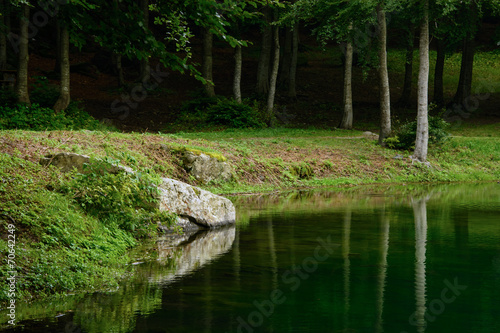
(142, 295)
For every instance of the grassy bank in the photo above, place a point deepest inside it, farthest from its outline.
(61, 247)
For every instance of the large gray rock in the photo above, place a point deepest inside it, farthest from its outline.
(196, 205)
(69, 161)
(206, 168)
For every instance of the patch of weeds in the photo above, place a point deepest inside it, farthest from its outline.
(125, 199)
(404, 137)
(302, 170)
(176, 149)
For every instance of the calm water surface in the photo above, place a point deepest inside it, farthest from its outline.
(422, 259)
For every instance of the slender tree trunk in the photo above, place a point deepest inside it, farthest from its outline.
(265, 55)
(22, 70)
(274, 75)
(145, 69)
(406, 94)
(64, 94)
(4, 31)
(385, 94)
(292, 91)
(207, 67)
(347, 117)
(117, 60)
(57, 65)
(422, 139)
(466, 70)
(438, 73)
(286, 60)
(237, 73)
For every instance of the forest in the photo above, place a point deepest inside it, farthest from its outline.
(239, 63)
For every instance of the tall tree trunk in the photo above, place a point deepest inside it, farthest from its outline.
(57, 65)
(274, 76)
(292, 91)
(237, 74)
(4, 31)
(145, 67)
(207, 67)
(265, 55)
(385, 94)
(117, 61)
(347, 117)
(422, 139)
(22, 70)
(286, 60)
(64, 94)
(438, 73)
(404, 100)
(466, 69)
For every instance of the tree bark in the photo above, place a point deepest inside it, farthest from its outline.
(438, 73)
(274, 76)
(4, 31)
(406, 94)
(22, 70)
(145, 68)
(119, 69)
(385, 94)
(64, 94)
(422, 139)
(265, 55)
(347, 117)
(286, 60)
(237, 74)
(466, 70)
(292, 90)
(207, 67)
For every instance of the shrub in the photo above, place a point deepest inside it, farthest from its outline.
(233, 114)
(37, 118)
(404, 137)
(43, 93)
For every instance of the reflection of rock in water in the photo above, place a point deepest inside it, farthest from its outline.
(182, 254)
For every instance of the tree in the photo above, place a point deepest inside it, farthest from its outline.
(275, 69)
(145, 69)
(4, 31)
(64, 87)
(346, 122)
(23, 56)
(422, 139)
(207, 63)
(385, 95)
(262, 87)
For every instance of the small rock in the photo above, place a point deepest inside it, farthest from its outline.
(398, 157)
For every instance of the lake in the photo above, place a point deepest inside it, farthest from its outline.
(382, 259)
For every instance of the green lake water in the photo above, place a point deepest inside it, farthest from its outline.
(401, 259)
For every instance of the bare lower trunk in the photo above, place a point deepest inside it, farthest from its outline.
(145, 74)
(438, 73)
(22, 70)
(64, 94)
(237, 74)
(117, 60)
(465, 81)
(286, 60)
(265, 56)
(385, 95)
(422, 139)
(274, 76)
(4, 31)
(292, 91)
(347, 117)
(406, 94)
(207, 67)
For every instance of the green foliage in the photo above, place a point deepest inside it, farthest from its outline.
(43, 93)
(127, 199)
(202, 112)
(404, 137)
(37, 118)
(235, 115)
